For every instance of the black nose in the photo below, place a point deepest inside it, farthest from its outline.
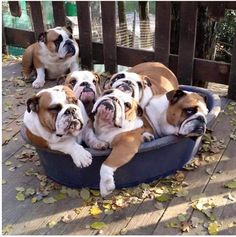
(85, 84)
(69, 42)
(201, 119)
(108, 105)
(70, 111)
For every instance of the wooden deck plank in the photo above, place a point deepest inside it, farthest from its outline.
(198, 181)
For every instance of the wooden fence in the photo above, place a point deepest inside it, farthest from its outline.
(185, 65)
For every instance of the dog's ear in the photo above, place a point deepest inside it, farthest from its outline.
(98, 79)
(139, 111)
(43, 37)
(61, 80)
(33, 104)
(174, 95)
(147, 81)
(69, 29)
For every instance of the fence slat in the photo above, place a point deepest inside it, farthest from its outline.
(188, 23)
(232, 77)
(37, 17)
(15, 8)
(19, 38)
(109, 35)
(59, 13)
(85, 34)
(162, 32)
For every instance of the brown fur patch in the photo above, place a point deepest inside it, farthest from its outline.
(161, 78)
(70, 96)
(36, 140)
(131, 113)
(175, 112)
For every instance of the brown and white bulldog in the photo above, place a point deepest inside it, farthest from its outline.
(55, 53)
(55, 119)
(177, 112)
(143, 81)
(86, 86)
(116, 121)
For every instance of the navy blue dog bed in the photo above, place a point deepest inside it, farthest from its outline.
(155, 159)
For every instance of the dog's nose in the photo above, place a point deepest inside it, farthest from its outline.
(70, 111)
(108, 105)
(85, 83)
(69, 42)
(201, 119)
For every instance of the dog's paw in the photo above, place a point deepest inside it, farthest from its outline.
(107, 185)
(148, 137)
(38, 83)
(82, 158)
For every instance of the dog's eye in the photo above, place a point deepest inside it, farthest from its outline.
(71, 37)
(58, 40)
(127, 106)
(73, 82)
(55, 108)
(94, 82)
(190, 111)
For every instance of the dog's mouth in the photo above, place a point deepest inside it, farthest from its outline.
(87, 94)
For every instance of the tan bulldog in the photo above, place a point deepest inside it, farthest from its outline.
(55, 53)
(116, 121)
(55, 119)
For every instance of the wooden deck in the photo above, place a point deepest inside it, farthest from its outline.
(168, 206)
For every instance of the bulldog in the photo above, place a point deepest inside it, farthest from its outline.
(143, 81)
(55, 119)
(86, 86)
(116, 121)
(55, 53)
(177, 112)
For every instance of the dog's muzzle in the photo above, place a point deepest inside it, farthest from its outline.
(70, 47)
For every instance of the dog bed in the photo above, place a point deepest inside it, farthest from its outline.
(155, 159)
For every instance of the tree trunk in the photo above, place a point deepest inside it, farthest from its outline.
(145, 36)
(123, 30)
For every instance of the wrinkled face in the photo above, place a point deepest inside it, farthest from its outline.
(85, 84)
(188, 111)
(60, 42)
(114, 107)
(57, 110)
(128, 82)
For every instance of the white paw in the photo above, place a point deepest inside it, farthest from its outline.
(82, 158)
(147, 137)
(38, 83)
(107, 185)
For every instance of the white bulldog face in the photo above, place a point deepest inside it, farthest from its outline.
(188, 111)
(59, 41)
(58, 110)
(129, 82)
(85, 84)
(114, 107)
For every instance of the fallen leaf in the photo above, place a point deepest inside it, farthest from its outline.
(185, 226)
(60, 196)
(231, 184)
(213, 228)
(51, 224)
(20, 196)
(7, 229)
(95, 210)
(98, 225)
(77, 210)
(20, 189)
(29, 192)
(163, 198)
(66, 219)
(233, 137)
(95, 193)
(8, 163)
(84, 194)
(34, 200)
(158, 206)
(179, 176)
(49, 200)
(4, 181)
(123, 231)
(182, 193)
